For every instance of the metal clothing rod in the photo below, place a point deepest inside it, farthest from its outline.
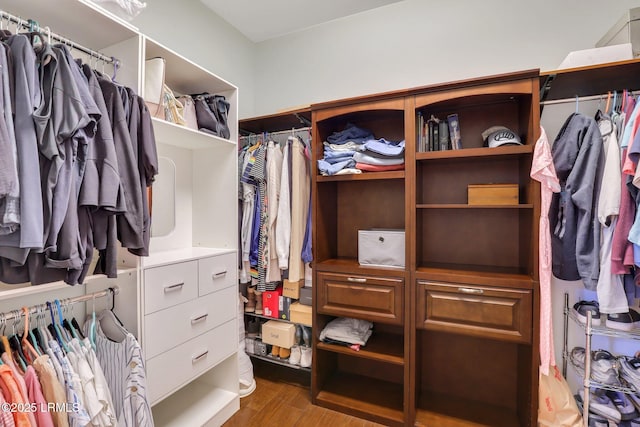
(29, 24)
(569, 100)
(280, 132)
(16, 314)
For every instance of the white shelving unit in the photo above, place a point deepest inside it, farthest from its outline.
(200, 246)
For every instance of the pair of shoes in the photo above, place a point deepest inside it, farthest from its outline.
(601, 404)
(281, 352)
(581, 308)
(294, 359)
(305, 357)
(595, 420)
(623, 321)
(604, 366)
(623, 404)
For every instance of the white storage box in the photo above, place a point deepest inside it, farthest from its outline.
(626, 30)
(381, 247)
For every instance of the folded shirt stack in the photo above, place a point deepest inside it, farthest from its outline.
(347, 331)
(355, 149)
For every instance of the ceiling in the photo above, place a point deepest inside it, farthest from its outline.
(265, 19)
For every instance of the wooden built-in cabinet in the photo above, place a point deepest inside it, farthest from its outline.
(455, 332)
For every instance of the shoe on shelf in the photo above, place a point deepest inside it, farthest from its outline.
(629, 368)
(595, 420)
(250, 306)
(604, 366)
(581, 308)
(623, 405)
(306, 335)
(258, 308)
(284, 353)
(253, 327)
(275, 351)
(294, 358)
(297, 338)
(630, 423)
(600, 404)
(623, 321)
(305, 357)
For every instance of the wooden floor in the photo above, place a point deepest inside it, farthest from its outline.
(282, 399)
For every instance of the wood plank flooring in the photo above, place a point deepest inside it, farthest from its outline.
(282, 399)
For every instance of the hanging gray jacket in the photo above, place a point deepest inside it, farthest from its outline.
(575, 229)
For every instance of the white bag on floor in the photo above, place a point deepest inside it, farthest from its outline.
(245, 367)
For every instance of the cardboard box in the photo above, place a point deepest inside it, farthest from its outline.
(291, 289)
(381, 247)
(492, 194)
(300, 313)
(626, 30)
(271, 302)
(283, 307)
(306, 296)
(278, 333)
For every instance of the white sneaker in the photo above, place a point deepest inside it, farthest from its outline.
(294, 358)
(305, 357)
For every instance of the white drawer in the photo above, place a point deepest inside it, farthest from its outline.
(178, 366)
(168, 328)
(170, 285)
(216, 273)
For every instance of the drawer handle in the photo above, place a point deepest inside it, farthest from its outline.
(471, 291)
(220, 274)
(172, 288)
(195, 320)
(199, 357)
(357, 279)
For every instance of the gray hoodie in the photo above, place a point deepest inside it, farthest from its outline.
(575, 229)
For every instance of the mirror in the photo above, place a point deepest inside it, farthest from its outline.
(163, 199)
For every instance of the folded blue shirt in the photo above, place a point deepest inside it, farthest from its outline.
(384, 147)
(327, 168)
(330, 154)
(350, 133)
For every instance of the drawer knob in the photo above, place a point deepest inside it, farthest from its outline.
(173, 288)
(473, 291)
(199, 318)
(199, 357)
(220, 274)
(357, 279)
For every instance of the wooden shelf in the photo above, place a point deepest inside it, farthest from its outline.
(464, 206)
(364, 176)
(278, 362)
(475, 274)
(365, 397)
(451, 411)
(351, 266)
(590, 80)
(510, 150)
(382, 347)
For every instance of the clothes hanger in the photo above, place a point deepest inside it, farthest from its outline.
(29, 350)
(55, 330)
(92, 325)
(14, 343)
(110, 325)
(36, 336)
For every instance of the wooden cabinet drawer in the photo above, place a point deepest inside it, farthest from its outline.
(372, 298)
(216, 273)
(169, 328)
(178, 366)
(500, 313)
(170, 285)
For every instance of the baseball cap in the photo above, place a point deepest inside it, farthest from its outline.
(497, 136)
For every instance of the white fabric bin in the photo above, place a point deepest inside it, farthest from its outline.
(381, 247)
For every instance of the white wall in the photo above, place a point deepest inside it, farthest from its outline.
(194, 31)
(418, 42)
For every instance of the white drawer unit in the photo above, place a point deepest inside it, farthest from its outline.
(172, 369)
(217, 272)
(170, 285)
(169, 328)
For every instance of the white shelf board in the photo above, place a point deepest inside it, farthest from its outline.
(180, 255)
(184, 76)
(181, 136)
(197, 404)
(78, 20)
